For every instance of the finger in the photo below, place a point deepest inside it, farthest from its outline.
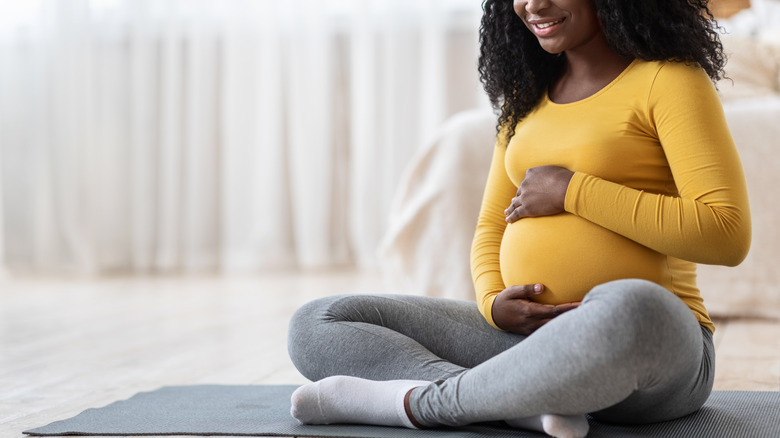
(516, 214)
(563, 308)
(524, 291)
(513, 204)
(540, 312)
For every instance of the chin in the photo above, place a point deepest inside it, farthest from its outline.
(552, 50)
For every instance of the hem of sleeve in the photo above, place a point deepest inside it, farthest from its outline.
(487, 310)
(572, 192)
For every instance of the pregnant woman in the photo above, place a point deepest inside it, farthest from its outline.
(613, 175)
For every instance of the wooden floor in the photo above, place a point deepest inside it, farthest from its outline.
(68, 345)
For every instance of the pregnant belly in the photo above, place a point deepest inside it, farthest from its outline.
(571, 255)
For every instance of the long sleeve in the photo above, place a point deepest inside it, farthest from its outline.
(486, 246)
(658, 186)
(709, 221)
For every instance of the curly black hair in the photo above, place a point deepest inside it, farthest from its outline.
(515, 71)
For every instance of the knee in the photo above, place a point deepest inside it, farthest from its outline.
(635, 298)
(305, 333)
(643, 311)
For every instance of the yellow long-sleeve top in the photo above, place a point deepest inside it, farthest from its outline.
(658, 187)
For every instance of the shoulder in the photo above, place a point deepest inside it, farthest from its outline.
(668, 83)
(681, 92)
(653, 73)
(671, 71)
(676, 77)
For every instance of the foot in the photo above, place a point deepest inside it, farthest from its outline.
(558, 426)
(344, 399)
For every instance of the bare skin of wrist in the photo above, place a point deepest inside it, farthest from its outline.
(514, 311)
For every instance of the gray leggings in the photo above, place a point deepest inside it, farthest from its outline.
(631, 353)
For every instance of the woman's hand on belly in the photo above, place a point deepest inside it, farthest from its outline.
(514, 312)
(542, 193)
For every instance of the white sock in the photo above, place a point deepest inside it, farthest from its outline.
(558, 426)
(345, 399)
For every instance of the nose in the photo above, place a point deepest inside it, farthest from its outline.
(530, 6)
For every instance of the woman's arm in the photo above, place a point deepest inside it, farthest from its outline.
(709, 222)
(486, 245)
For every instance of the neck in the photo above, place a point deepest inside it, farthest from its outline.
(587, 69)
(594, 59)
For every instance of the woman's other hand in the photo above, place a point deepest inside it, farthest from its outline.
(514, 312)
(542, 193)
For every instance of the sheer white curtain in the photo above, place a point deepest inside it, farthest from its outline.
(217, 135)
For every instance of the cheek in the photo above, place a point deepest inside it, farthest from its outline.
(593, 29)
(519, 7)
(590, 20)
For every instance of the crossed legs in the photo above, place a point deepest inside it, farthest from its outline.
(633, 352)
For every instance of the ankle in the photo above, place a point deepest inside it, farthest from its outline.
(408, 410)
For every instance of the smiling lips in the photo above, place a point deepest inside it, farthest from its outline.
(545, 28)
(546, 25)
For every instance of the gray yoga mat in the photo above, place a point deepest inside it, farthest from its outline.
(265, 411)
